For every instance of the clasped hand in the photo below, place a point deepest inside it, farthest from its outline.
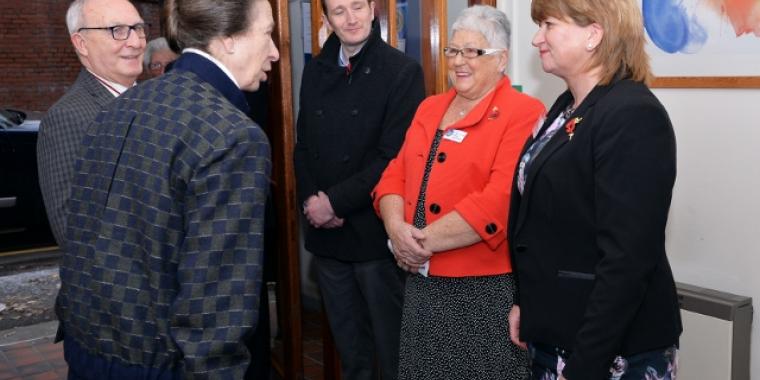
(319, 212)
(408, 248)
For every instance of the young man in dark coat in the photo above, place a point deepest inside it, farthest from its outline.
(357, 100)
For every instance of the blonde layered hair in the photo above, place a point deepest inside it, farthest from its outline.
(621, 51)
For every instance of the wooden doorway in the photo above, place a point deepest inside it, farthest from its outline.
(287, 362)
(433, 27)
(433, 32)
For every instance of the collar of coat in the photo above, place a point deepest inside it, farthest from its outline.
(566, 99)
(484, 109)
(210, 73)
(100, 95)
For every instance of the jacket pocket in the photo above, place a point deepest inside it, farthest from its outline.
(575, 275)
(570, 298)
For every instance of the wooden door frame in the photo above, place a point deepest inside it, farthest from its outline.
(290, 365)
(385, 11)
(436, 81)
(316, 24)
(433, 42)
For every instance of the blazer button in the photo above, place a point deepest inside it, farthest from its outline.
(316, 156)
(441, 157)
(354, 112)
(521, 248)
(491, 228)
(346, 158)
(435, 208)
(319, 113)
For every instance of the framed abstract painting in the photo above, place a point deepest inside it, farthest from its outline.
(703, 43)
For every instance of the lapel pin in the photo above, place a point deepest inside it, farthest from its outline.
(494, 113)
(570, 126)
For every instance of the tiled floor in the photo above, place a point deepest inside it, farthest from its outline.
(312, 347)
(40, 359)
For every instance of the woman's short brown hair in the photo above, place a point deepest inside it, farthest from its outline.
(622, 49)
(193, 23)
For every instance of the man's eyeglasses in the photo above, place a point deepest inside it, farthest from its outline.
(158, 65)
(467, 52)
(121, 32)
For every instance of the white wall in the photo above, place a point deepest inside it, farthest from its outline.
(713, 230)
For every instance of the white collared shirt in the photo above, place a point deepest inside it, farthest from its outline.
(344, 60)
(114, 88)
(214, 60)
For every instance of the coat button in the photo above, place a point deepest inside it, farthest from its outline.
(491, 228)
(315, 155)
(354, 112)
(435, 208)
(441, 157)
(319, 113)
(520, 248)
(346, 158)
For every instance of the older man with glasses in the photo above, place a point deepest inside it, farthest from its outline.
(109, 39)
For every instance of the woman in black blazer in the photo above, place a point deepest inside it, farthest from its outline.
(596, 296)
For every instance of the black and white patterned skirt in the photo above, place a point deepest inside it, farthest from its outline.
(458, 328)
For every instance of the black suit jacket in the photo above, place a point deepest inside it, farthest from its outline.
(350, 125)
(587, 236)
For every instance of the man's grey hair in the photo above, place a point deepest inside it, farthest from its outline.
(154, 45)
(489, 21)
(75, 16)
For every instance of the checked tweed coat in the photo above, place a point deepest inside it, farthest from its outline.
(162, 273)
(61, 131)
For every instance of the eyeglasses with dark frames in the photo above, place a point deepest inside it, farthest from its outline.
(122, 32)
(158, 65)
(468, 52)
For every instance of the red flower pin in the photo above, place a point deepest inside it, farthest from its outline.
(570, 126)
(494, 113)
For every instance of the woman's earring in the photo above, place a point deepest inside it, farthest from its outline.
(590, 46)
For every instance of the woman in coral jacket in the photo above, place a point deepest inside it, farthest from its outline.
(596, 296)
(444, 202)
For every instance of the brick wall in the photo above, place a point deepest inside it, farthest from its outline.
(37, 61)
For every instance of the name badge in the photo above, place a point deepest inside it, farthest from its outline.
(455, 135)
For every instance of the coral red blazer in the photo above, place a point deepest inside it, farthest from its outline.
(472, 176)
